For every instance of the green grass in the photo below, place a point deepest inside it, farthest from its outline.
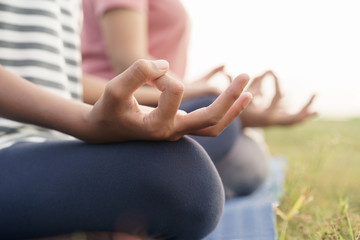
(322, 189)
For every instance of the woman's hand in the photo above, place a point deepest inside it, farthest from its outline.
(274, 114)
(117, 116)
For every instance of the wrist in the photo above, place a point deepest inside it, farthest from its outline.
(72, 119)
(80, 126)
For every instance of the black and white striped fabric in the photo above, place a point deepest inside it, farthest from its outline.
(40, 41)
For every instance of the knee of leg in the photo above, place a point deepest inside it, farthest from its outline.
(244, 169)
(251, 182)
(195, 195)
(172, 189)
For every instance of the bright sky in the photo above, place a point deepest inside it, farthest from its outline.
(312, 45)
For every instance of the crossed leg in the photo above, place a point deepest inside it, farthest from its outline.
(167, 190)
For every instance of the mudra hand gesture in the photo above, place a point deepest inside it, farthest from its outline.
(117, 116)
(274, 114)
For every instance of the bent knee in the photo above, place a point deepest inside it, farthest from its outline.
(244, 169)
(176, 194)
(246, 185)
(193, 196)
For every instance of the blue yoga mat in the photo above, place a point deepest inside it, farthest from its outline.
(252, 217)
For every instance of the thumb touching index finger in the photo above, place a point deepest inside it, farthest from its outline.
(138, 74)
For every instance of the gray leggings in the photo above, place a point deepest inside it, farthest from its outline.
(169, 190)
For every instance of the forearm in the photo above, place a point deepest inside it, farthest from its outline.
(23, 101)
(122, 58)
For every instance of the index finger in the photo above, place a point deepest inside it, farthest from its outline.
(171, 95)
(211, 115)
(234, 112)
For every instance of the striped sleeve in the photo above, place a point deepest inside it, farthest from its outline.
(40, 41)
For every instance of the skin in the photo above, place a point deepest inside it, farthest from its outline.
(117, 116)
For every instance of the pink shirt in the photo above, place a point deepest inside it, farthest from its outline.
(168, 33)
